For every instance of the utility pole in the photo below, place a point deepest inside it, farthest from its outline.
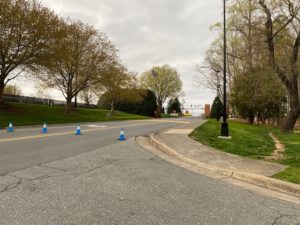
(225, 128)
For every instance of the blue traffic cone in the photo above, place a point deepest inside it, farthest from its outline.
(78, 130)
(44, 129)
(122, 136)
(10, 127)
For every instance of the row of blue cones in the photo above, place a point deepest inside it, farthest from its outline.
(44, 130)
(11, 129)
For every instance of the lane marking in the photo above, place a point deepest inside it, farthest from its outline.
(73, 132)
(97, 126)
(91, 125)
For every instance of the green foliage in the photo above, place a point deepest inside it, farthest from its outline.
(290, 174)
(258, 93)
(247, 140)
(31, 114)
(164, 81)
(253, 141)
(216, 108)
(12, 90)
(145, 106)
(119, 85)
(174, 105)
(292, 156)
(104, 101)
(263, 59)
(76, 59)
(27, 30)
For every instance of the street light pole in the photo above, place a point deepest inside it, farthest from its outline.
(225, 128)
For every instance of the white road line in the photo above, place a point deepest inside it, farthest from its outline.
(97, 126)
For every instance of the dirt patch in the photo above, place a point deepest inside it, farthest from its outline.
(278, 154)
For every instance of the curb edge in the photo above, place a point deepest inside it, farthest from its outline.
(259, 180)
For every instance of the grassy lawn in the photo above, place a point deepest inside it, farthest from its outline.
(253, 141)
(292, 154)
(30, 114)
(242, 139)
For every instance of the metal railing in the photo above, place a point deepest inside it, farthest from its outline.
(42, 101)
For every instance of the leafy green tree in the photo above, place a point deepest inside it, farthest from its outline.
(258, 94)
(119, 85)
(174, 105)
(12, 90)
(216, 108)
(27, 30)
(145, 107)
(165, 83)
(261, 34)
(76, 60)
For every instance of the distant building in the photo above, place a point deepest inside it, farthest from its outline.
(207, 110)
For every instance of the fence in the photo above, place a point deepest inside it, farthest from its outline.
(42, 101)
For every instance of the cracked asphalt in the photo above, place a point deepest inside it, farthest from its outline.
(124, 184)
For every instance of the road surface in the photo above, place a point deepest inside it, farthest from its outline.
(28, 147)
(118, 183)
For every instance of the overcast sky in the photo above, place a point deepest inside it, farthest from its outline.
(152, 32)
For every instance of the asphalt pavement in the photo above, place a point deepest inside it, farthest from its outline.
(124, 184)
(95, 180)
(27, 146)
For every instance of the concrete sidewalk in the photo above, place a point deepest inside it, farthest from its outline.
(178, 140)
(176, 143)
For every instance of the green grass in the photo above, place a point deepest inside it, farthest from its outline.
(253, 141)
(292, 156)
(30, 114)
(290, 174)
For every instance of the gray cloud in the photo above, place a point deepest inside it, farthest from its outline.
(153, 32)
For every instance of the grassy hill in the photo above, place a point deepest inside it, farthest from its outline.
(30, 114)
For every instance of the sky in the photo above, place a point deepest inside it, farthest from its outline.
(149, 33)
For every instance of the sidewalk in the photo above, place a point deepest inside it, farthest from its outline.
(176, 143)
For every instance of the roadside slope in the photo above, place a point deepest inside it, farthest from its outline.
(31, 114)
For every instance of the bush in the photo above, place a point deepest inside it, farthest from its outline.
(145, 107)
(174, 105)
(217, 108)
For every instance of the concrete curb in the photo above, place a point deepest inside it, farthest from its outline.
(263, 181)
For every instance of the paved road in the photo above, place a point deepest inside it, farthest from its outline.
(123, 184)
(28, 147)
(63, 179)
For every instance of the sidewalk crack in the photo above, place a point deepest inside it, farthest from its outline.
(11, 186)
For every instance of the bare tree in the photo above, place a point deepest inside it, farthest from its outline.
(283, 17)
(88, 96)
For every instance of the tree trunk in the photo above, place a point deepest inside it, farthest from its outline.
(158, 110)
(2, 93)
(250, 118)
(112, 108)
(69, 105)
(293, 115)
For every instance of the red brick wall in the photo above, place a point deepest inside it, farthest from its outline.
(207, 110)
